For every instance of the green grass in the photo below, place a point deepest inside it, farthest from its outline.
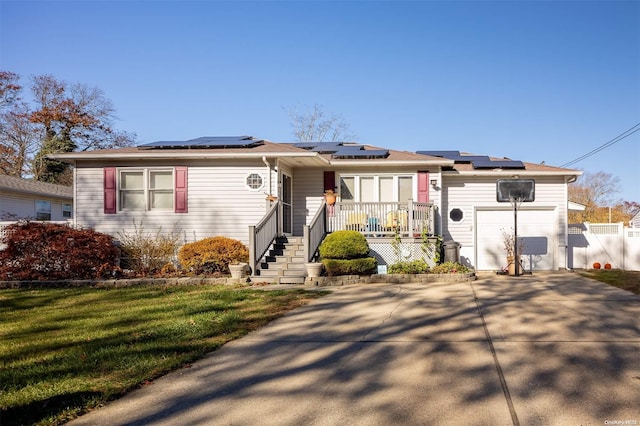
(626, 280)
(66, 350)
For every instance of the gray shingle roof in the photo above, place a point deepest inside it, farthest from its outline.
(14, 184)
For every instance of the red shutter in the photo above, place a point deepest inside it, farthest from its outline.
(109, 185)
(330, 181)
(181, 205)
(423, 187)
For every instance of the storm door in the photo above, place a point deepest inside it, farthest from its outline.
(287, 207)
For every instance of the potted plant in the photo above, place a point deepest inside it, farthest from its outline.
(330, 197)
(508, 239)
(238, 269)
(314, 269)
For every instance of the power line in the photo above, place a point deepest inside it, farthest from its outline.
(617, 139)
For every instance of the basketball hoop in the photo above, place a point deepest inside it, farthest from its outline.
(516, 192)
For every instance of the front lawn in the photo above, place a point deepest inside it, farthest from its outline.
(67, 350)
(626, 280)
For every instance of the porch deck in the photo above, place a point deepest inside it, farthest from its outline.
(379, 219)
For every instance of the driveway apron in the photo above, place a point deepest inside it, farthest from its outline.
(547, 349)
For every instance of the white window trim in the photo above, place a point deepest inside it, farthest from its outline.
(376, 184)
(146, 171)
(70, 210)
(254, 189)
(49, 211)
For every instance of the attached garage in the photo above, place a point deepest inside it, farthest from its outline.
(537, 234)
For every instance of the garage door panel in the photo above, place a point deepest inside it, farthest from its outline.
(536, 234)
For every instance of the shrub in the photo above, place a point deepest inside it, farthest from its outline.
(212, 255)
(146, 252)
(449, 267)
(344, 245)
(362, 266)
(414, 267)
(49, 251)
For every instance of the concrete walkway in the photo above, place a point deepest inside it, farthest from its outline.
(547, 349)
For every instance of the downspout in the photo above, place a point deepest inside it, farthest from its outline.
(266, 163)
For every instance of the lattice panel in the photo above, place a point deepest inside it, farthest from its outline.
(387, 253)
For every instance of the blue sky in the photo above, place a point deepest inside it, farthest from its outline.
(529, 80)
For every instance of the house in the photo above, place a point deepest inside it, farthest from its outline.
(255, 190)
(29, 199)
(635, 221)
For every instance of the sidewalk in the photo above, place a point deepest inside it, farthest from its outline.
(544, 349)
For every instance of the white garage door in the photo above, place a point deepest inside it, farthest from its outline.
(537, 233)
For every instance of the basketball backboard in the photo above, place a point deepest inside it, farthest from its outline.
(519, 190)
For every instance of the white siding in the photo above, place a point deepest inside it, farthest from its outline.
(469, 193)
(15, 206)
(219, 203)
(308, 192)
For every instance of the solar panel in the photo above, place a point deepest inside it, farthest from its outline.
(207, 142)
(165, 144)
(498, 164)
(450, 155)
(361, 153)
(455, 156)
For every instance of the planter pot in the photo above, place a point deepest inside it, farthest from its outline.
(314, 270)
(512, 265)
(239, 270)
(330, 198)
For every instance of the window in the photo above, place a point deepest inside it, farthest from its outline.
(43, 210)
(66, 210)
(456, 215)
(376, 188)
(254, 181)
(148, 189)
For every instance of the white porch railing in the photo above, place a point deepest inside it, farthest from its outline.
(408, 219)
(262, 235)
(314, 233)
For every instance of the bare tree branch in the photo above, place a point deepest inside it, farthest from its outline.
(312, 125)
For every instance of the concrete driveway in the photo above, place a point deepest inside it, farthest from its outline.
(547, 349)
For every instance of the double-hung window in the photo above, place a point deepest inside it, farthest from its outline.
(377, 188)
(43, 210)
(146, 189)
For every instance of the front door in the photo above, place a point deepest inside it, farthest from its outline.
(287, 207)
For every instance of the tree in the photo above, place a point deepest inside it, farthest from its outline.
(17, 135)
(19, 139)
(9, 89)
(596, 191)
(313, 125)
(63, 118)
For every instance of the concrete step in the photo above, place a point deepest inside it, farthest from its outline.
(271, 272)
(291, 280)
(300, 269)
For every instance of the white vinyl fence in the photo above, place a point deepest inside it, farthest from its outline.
(604, 243)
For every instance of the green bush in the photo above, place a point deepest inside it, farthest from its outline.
(414, 267)
(362, 266)
(50, 251)
(449, 267)
(212, 255)
(344, 245)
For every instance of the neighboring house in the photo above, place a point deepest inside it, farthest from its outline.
(220, 186)
(635, 221)
(29, 199)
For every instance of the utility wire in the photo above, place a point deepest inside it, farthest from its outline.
(617, 139)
